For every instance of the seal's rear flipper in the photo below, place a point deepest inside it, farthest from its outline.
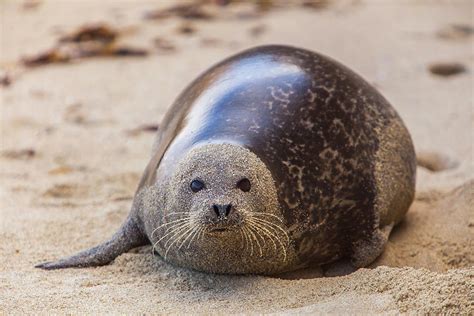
(127, 237)
(366, 251)
(341, 267)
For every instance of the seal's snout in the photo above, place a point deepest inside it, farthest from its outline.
(222, 210)
(222, 218)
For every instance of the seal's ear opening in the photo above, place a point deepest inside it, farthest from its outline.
(127, 237)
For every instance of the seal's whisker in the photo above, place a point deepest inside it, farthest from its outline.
(242, 238)
(173, 213)
(201, 232)
(177, 239)
(168, 223)
(246, 240)
(176, 228)
(268, 214)
(267, 223)
(153, 249)
(275, 235)
(173, 229)
(250, 240)
(195, 235)
(248, 234)
(256, 230)
(191, 233)
(175, 221)
(169, 231)
(255, 238)
(177, 232)
(268, 233)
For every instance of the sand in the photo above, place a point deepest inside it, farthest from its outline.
(75, 139)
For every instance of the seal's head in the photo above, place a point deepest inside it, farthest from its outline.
(219, 185)
(221, 209)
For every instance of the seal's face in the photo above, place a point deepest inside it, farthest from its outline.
(221, 211)
(218, 190)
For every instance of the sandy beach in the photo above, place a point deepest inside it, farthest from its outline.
(77, 128)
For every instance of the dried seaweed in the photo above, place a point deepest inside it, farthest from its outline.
(89, 41)
(125, 51)
(210, 41)
(5, 79)
(26, 153)
(63, 169)
(456, 31)
(145, 128)
(315, 4)
(93, 32)
(30, 4)
(186, 28)
(257, 30)
(54, 55)
(211, 9)
(163, 45)
(447, 69)
(193, 11)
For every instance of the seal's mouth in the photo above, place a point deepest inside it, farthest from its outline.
(218, 230)
(223, 224)
(221, 228)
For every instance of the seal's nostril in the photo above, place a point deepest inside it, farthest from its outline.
(228, 208)
(222, 210)
(216, 210)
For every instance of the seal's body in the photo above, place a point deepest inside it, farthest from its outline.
(274, 159)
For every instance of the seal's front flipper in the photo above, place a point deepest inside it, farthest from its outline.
(127, 237)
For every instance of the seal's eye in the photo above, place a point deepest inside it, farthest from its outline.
(196, 185)
(244, 184)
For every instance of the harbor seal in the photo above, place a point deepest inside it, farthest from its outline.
(274, 159)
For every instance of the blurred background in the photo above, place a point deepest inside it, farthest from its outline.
(84, 85)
